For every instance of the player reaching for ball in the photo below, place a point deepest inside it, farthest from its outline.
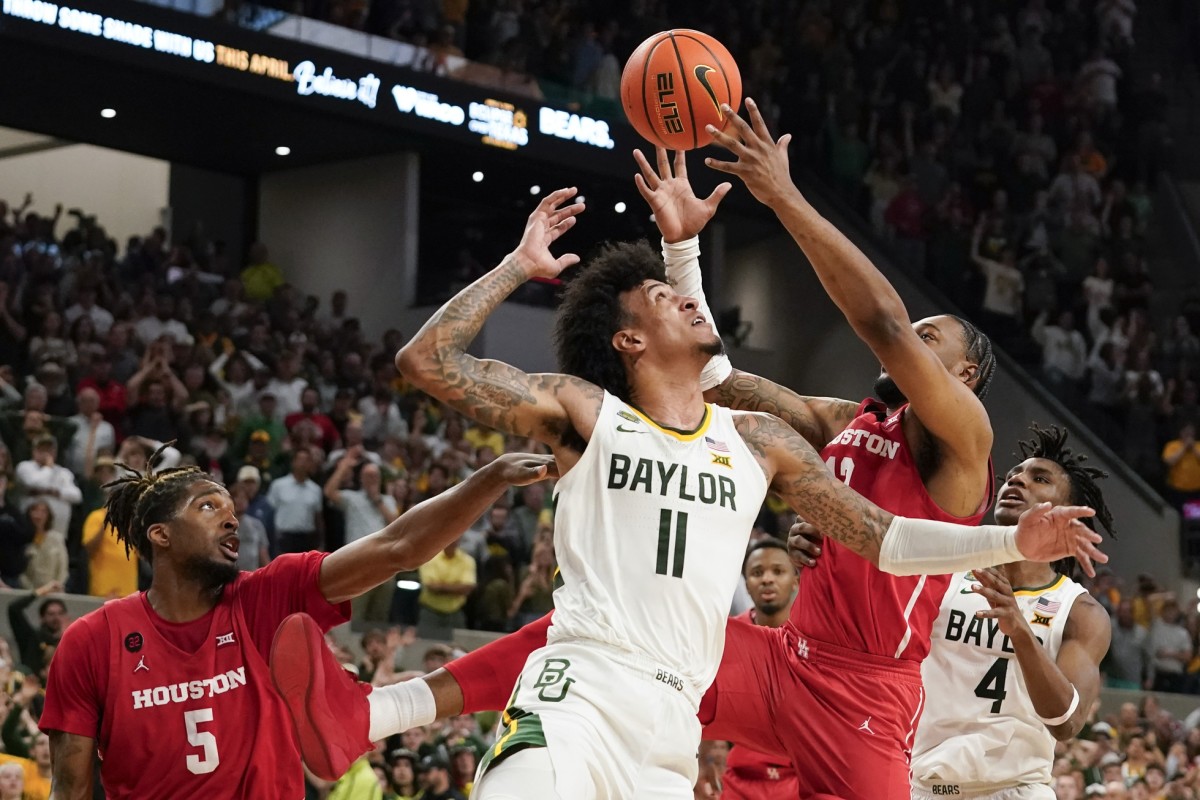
(1016, 650)
(651, 474)
(171, 687)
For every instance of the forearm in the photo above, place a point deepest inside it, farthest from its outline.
(1049, 689)
(869, 302)
(412, 539)
(682, 260)
(71, 757)
(431, 358)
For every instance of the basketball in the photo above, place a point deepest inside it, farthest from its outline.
(673, 86)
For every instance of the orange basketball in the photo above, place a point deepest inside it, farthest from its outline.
(673, 85)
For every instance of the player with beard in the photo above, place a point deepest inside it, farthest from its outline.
(171, 685)
(918, 456)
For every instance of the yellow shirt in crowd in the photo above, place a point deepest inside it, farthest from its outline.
(36, 787)
(455, 570)
(111, 573)
(1184, 475)
(478, 437)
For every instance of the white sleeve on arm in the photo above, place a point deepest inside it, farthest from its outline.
(926, 547)
(683, 268)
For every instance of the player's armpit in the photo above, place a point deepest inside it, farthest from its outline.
(798, 475)
(71, 758)
(817, 419)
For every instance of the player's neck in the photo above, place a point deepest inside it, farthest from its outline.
(1029, 574)
(775, 620)
(671, 399)
(179, 599)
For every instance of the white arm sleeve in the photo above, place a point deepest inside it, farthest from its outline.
(926, 547)
(683, 268)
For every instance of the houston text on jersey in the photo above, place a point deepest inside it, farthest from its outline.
(189, 690)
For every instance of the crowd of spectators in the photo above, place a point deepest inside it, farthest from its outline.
(1005, 150)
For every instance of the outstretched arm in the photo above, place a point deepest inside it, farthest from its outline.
(491, 392)
(680, 217)
(1053, 683)
(421, 532)
(817, 419)
(899, 545)
(946, 406)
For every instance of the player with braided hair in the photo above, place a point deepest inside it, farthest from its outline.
(171, 685)
(1015, 662)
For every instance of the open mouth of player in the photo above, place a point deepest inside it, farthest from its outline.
(229, 547)
(1010, 499)
(698, 321)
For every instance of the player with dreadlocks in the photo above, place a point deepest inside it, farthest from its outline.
(921, 451)
(1015, 663)
(171, 685)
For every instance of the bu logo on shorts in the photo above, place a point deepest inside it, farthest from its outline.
(554, 675)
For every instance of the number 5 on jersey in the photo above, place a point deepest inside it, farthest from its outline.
(206, 763)
(665, 559)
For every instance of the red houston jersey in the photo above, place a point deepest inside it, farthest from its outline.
(847, 601)
(188, 709)
(753, 775)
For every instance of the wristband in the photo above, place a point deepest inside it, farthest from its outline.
(1050, 723)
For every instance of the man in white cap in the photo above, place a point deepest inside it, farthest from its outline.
(249, 479)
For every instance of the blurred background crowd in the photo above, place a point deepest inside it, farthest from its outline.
(1000, 148)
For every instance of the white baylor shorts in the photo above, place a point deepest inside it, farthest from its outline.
(1029, 791)
(615, 726)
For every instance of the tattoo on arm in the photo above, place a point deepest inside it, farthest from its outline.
(491, 392)
(817, 419)
(799, 476)
(71, 765)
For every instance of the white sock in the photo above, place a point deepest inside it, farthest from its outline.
(396, 708)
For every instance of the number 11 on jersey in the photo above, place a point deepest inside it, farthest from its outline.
(664, 542)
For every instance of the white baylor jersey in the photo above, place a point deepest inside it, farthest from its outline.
(650, 530)
(979, 729)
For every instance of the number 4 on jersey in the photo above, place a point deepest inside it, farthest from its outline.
(992, 685)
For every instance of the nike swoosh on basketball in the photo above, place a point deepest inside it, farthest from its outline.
(623, 429)
(701, 71)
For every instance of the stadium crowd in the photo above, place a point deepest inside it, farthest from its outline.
(1002, 149)
(1005, 150)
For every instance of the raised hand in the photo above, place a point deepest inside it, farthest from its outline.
(521, 469)
(995, 588)
(678, 212)
(1047, 533)
(550, 220)
(762, 162)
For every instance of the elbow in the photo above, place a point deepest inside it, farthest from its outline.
(1067, 731)
(412, 361)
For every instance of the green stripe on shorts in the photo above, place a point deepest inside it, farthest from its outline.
(523, 729)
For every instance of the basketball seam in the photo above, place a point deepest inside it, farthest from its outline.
(642, 91)
(687, 93)
(716, 60)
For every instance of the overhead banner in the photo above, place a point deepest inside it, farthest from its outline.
(209, 50)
